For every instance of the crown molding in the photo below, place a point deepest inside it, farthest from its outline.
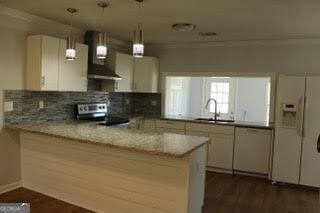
(31, 24)
(253, 43)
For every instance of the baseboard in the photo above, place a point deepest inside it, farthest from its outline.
(10, 186)
(251, 174)
(218, 170)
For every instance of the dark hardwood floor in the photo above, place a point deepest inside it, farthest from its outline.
(224, 193)
(234, 193)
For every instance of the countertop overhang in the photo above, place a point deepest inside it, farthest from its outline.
(168, 144)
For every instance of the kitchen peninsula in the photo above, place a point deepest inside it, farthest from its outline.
(108, 169)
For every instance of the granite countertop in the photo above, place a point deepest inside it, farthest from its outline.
(167, 144)
(235, 123)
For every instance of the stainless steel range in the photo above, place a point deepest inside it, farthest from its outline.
(98, 112)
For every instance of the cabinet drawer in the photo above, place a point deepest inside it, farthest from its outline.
(210, 128)
(204, 134)
(149, 125)
(175, 131)
(170, 124)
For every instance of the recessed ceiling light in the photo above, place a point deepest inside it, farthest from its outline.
(183, 27)
(207, 34)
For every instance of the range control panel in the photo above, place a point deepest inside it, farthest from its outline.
(289, 115)
(92, 108)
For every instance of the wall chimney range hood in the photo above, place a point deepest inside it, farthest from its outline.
(97, 68)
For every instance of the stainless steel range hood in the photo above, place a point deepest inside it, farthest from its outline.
(97, 68)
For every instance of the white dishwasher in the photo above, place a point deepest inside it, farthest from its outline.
(252, 150)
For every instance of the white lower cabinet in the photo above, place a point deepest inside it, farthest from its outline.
(149, 125)
(220, 151)
(231, 148)
(176, 127)
(252, 150)
(175, 131)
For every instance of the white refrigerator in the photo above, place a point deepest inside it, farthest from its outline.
(296, 156)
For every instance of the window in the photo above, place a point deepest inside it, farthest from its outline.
(176, 95)
(238, 98)
(220, 92)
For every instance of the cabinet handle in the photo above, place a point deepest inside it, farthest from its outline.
(253, 130)
(117, 85)
(43, 81)
(318, 144)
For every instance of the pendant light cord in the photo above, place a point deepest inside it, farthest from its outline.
(71, 25)
(139, 16)
(102, 20)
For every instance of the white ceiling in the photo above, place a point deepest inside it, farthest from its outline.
(233, 20)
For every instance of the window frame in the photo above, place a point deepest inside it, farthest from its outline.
(207, 94)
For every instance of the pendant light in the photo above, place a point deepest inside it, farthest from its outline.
(102, 49)
(71, 42)
(138, 47)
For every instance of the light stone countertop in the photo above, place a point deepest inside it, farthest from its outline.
(167, 144)
(245, 124)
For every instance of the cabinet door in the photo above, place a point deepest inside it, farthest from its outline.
(252, 150)
(73, 74)
(49, 63)
(146, 74)
(201, 134)
(174, 131)
(149, 125)
(168, 124)
(124, 68)
(220, 151)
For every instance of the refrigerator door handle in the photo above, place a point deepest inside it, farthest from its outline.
(318, 144)
(301, 117)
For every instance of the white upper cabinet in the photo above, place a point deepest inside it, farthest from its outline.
(47, 68)
(42, 63)
(146, 74)
(123, 65)
(73, 74)
(138, 74)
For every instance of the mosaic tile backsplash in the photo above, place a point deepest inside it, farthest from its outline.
(60, 105)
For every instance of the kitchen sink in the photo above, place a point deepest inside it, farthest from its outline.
(213, 120)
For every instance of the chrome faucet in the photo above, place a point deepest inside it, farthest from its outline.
(216, 114)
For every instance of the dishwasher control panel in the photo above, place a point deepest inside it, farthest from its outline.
(289, 115)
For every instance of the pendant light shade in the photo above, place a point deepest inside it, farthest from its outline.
(71, 42)
(71, 48)
(138, 46)
(102, 46)
(102, 49)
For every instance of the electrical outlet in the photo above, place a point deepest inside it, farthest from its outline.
(41, 104)
(8, 106)
(127, 101)
(154, 103)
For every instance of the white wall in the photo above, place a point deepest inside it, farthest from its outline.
(12, 66)
(282, 57)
